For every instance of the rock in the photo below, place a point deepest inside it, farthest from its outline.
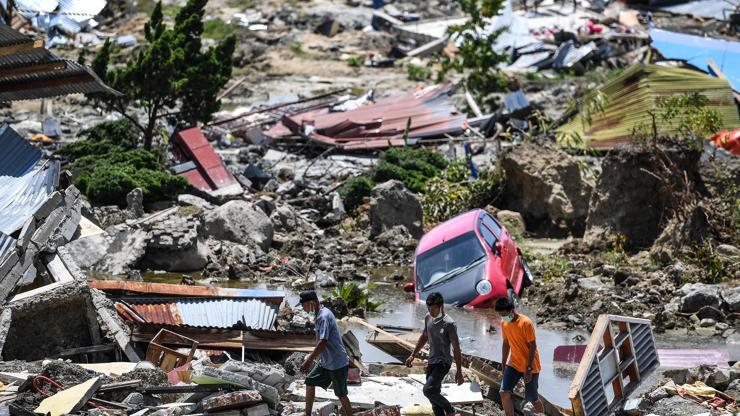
(592, 283)
(719, 378)
(697, 295)
(240, 222)
(629, 202)
(707, 322)
(394, 237)
(391, 204)
(324, 279)
(721, 327)
(284, 219)
(661, 392)
(135, 202)
(266, 204)
(621, 275)
(545, 185)
(512, 221)
(676, 406)
(732, 299)
(195, 201)
(633, 407)
(727, 250)
(711, 313)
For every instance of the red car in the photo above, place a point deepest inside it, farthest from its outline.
(471, 260)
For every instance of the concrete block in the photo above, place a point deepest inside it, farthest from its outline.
(259, 410)
(73, 191)
(237, 399)
(7, 262)
(29, 276)
(52, 202)
(69, 226)
(26, 232)
(323, 409)
(10, 280)
(47, 227)
(210, 375)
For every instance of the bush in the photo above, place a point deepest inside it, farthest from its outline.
(445, 198)
(414, 167)
(354, 192)
(355, 297)
(109, 166)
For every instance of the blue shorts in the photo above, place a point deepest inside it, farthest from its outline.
(511, 378)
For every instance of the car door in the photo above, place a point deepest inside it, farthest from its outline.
(509, 253)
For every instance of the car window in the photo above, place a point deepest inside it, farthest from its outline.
(447, 259)
(492, 224)
(488, 236)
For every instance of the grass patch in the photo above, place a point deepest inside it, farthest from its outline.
(297, 49)
(218, 29)
(240, 4)
(549, 268)
(418, 73)
(355, 61)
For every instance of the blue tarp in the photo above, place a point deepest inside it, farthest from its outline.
(697, 51)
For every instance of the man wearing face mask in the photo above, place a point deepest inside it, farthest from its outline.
(441, 332)
(333, 363)
(520, 354)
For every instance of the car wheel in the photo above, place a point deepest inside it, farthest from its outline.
(528, 276)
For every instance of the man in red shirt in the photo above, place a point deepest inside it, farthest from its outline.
(519, 354)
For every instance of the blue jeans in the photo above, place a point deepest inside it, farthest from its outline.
(511, 378)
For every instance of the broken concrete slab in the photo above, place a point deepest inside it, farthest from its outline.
(70, 400)
(233, 400)
(259, 410)
(210, 375)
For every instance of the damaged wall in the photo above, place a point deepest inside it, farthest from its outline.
(46, 324)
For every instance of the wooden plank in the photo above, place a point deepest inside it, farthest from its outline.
(399, 340)
(70, 400)
(87, 350)
(429, 48)
(120, 385)
(231, 88)
(602, 324)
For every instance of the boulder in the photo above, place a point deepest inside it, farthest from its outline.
(546, 186)
(628, 201)
(732, 299)
(727, 250)
(698, 295)
(240, 222)
(176, 245)
(512, 221)
(391, 204)
(719, 378)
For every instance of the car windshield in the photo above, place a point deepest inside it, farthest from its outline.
(448, 259)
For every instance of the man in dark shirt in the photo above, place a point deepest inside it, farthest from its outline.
(441, 332)
(333, 364)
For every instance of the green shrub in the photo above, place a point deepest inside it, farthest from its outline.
(418, 73)
(355, 61)
(109, 165)
(355, 297)
(354, 191)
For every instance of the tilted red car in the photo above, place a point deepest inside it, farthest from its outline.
(471, 260)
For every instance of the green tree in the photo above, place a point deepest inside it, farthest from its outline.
(477, 60)
(172, 74)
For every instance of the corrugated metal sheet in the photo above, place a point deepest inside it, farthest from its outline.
(166, 289)
(74, 79)
(211, 173)
(66, 15)
(18, 156)
(10, 37)
(21, 197)
(634, 92)
(212, 313)
(382, 123)
(713, 9)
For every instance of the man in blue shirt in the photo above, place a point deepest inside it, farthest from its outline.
(333, 363)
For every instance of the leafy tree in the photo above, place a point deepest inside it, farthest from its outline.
(477, 60)
(171, 75)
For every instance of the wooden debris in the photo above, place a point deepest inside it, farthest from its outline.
(69, 400)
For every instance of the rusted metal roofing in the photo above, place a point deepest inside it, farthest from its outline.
(21, 197)
(382, 123)
(11, 37)
(210, 173)
(166, 289)
(18, 156)
(211, 313)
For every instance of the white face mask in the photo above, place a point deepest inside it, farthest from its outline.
(507, 318)
(312, 315)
